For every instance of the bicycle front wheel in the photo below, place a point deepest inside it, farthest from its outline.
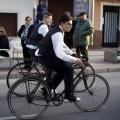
(88, 70)
(17, 72)
(31, 103)
(96, 95)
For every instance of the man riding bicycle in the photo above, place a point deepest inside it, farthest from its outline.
(53, 53)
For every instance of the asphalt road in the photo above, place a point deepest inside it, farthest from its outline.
(68, 111)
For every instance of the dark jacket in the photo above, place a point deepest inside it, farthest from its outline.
(35, 35)
(83, 30)
(46, 46)
(21, 30)
(30, 31)
(4, 43)
(28, 35)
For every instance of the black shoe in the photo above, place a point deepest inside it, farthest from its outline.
(71, 99)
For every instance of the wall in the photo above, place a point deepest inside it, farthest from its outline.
(22, 7)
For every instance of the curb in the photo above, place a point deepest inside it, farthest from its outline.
(97, 71)
(107, 70)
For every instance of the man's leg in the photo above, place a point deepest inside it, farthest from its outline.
(78, 52)
(26, 55)
(49, 74)
(84, 52)
(63, 71)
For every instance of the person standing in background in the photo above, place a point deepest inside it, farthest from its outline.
(83, 30)
(4, 42)
(40, 9)
(68, 37)
(23, 33)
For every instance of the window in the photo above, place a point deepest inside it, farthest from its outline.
(9, 22)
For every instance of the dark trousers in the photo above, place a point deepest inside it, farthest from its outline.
(26, 54)
(63, 71)
(82, 50)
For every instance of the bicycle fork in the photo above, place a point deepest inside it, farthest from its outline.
(85, 81)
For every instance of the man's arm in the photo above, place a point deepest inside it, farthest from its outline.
(58, 46)
(43, 29)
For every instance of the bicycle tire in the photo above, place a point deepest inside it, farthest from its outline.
(89, 69)
(17, 72)
(32, 103)
(98, 95)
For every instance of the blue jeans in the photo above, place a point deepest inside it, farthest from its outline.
(64, 71)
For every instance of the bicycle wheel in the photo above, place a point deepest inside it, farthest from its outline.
(97, 95)
(16, 72)
(89, 69)
(32, 103)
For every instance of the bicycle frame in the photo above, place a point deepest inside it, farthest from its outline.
(82, 72)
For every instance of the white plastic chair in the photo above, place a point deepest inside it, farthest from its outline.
(17, 47)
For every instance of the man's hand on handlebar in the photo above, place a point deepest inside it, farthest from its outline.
(79, 62)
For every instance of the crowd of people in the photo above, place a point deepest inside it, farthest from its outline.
(52, 45)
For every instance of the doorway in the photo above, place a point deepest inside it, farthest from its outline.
(110, 26)
(57, 7)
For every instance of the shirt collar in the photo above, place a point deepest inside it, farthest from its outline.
(43, 22)
(61, 29)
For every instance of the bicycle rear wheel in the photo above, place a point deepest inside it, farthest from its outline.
(31, 103)
(89, 69)
(16, 72)
(97, 95)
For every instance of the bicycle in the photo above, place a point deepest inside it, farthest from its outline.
(34, 100)
(17, 72)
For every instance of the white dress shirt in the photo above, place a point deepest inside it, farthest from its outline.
(60, 48)
(43, 29)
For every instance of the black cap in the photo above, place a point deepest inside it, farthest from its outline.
(82, 13)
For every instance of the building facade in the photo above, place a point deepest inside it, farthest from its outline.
(13, 13)
(105, 15)
(106, 23)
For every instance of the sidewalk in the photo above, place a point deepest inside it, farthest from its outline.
(96, 59)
